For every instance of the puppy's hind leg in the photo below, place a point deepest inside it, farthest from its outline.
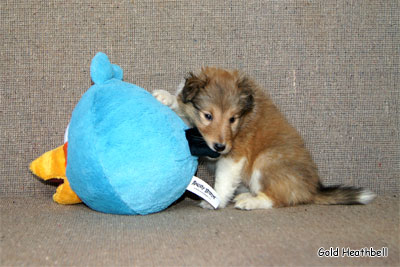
(254, 199)
(247, 201)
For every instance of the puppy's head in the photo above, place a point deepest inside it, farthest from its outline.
(217, 102)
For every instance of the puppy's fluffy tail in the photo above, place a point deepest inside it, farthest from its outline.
(343, 195)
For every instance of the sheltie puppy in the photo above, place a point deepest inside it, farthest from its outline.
(259, 148)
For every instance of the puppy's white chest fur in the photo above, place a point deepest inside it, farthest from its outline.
(228, 165)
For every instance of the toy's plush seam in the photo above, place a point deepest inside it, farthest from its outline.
(101, 163)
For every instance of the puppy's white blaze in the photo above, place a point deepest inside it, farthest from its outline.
(249, 202)
(227, 178)
(366, 196)
(255, 185)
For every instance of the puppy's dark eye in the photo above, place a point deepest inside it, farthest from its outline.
(208, 116)
(232, 120)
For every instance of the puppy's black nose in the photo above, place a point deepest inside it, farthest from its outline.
(219, 147)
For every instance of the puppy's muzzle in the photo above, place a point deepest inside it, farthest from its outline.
(219, 147)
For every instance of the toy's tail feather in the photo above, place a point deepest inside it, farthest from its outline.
(65, 195)
(343, 195)
(50, 165)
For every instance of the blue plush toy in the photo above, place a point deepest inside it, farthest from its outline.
(124, 152)
(127, 153)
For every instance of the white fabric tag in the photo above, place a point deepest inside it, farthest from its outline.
(203, 190)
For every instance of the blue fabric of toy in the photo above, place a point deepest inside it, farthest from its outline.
(127, 153)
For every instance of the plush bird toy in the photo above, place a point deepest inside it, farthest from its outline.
(124, 151)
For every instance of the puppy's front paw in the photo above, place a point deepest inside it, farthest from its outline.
(164, 97)
(205, 205)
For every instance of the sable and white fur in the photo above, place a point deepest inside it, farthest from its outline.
(259, 148)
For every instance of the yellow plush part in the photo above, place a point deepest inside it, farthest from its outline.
(51, 165)
(65, 195)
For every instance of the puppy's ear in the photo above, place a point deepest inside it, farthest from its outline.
(246, 97)
(193, 84)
